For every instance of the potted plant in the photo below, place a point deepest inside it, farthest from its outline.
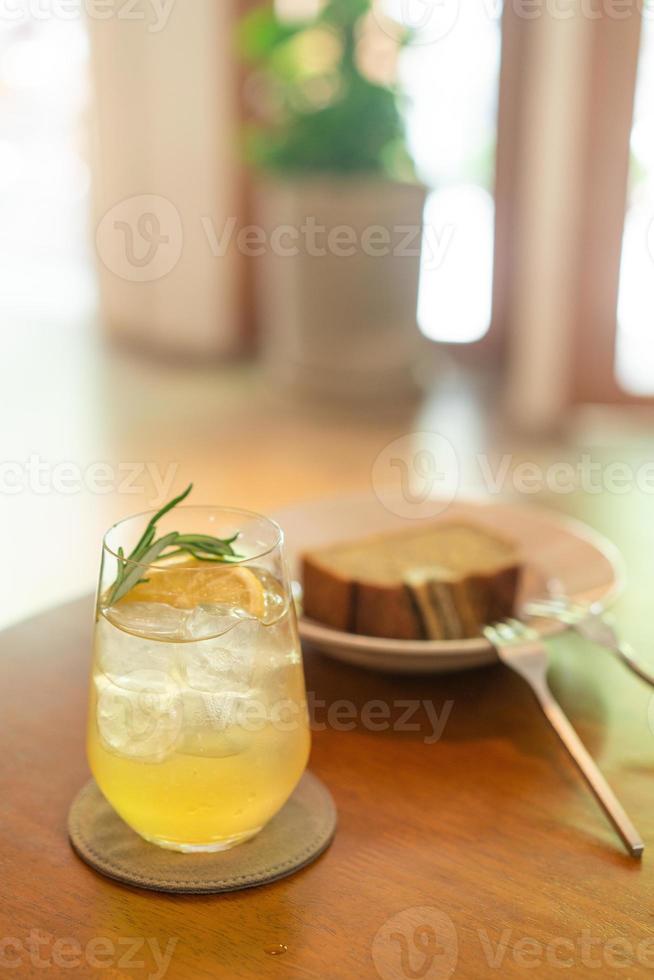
(336, 198)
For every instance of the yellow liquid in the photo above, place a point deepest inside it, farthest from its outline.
(197, 800)
(175, 777)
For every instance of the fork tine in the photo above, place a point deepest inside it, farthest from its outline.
(548, 604)
(575, 606)
(549, 612)
(506, 631)
(566, 610)
(492, 636)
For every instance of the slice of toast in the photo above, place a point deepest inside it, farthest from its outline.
(441, 581)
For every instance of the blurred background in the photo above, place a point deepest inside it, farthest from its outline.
(254, 244)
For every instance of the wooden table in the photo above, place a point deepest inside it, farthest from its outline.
(478, 854)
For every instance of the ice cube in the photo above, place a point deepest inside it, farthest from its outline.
(153, 620)
(210, 620)
(119, 654)
(141, 718)
(225, 664)
(216, 725)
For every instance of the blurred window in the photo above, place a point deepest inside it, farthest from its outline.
(634, 356)
(44, 177)
(450, 72)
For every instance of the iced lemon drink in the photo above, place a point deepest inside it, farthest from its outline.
(197, 730)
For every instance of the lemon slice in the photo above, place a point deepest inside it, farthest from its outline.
(195, 583)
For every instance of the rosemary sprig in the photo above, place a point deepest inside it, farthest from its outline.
(149, 548)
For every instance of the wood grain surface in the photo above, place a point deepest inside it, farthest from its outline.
(467, 845)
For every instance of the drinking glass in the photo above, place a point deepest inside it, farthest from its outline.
(198, 729)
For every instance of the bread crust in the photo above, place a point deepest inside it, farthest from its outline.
(460, 607)
(328, 597)
(386, 611)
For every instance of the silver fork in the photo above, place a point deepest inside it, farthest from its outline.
(522, 649)
(590, 621)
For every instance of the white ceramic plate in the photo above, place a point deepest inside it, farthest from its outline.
(562, 556)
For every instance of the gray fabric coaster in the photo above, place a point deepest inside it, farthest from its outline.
(299, 833)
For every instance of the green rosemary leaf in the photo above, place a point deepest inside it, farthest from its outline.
(203, 543)
(150, 530)
(169, 506)
(130, 579)
(145, 543)
(220, 559)
(148, 549)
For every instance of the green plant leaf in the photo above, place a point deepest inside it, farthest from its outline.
(357, 129)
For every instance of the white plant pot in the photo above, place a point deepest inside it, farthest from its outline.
(337, 284)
